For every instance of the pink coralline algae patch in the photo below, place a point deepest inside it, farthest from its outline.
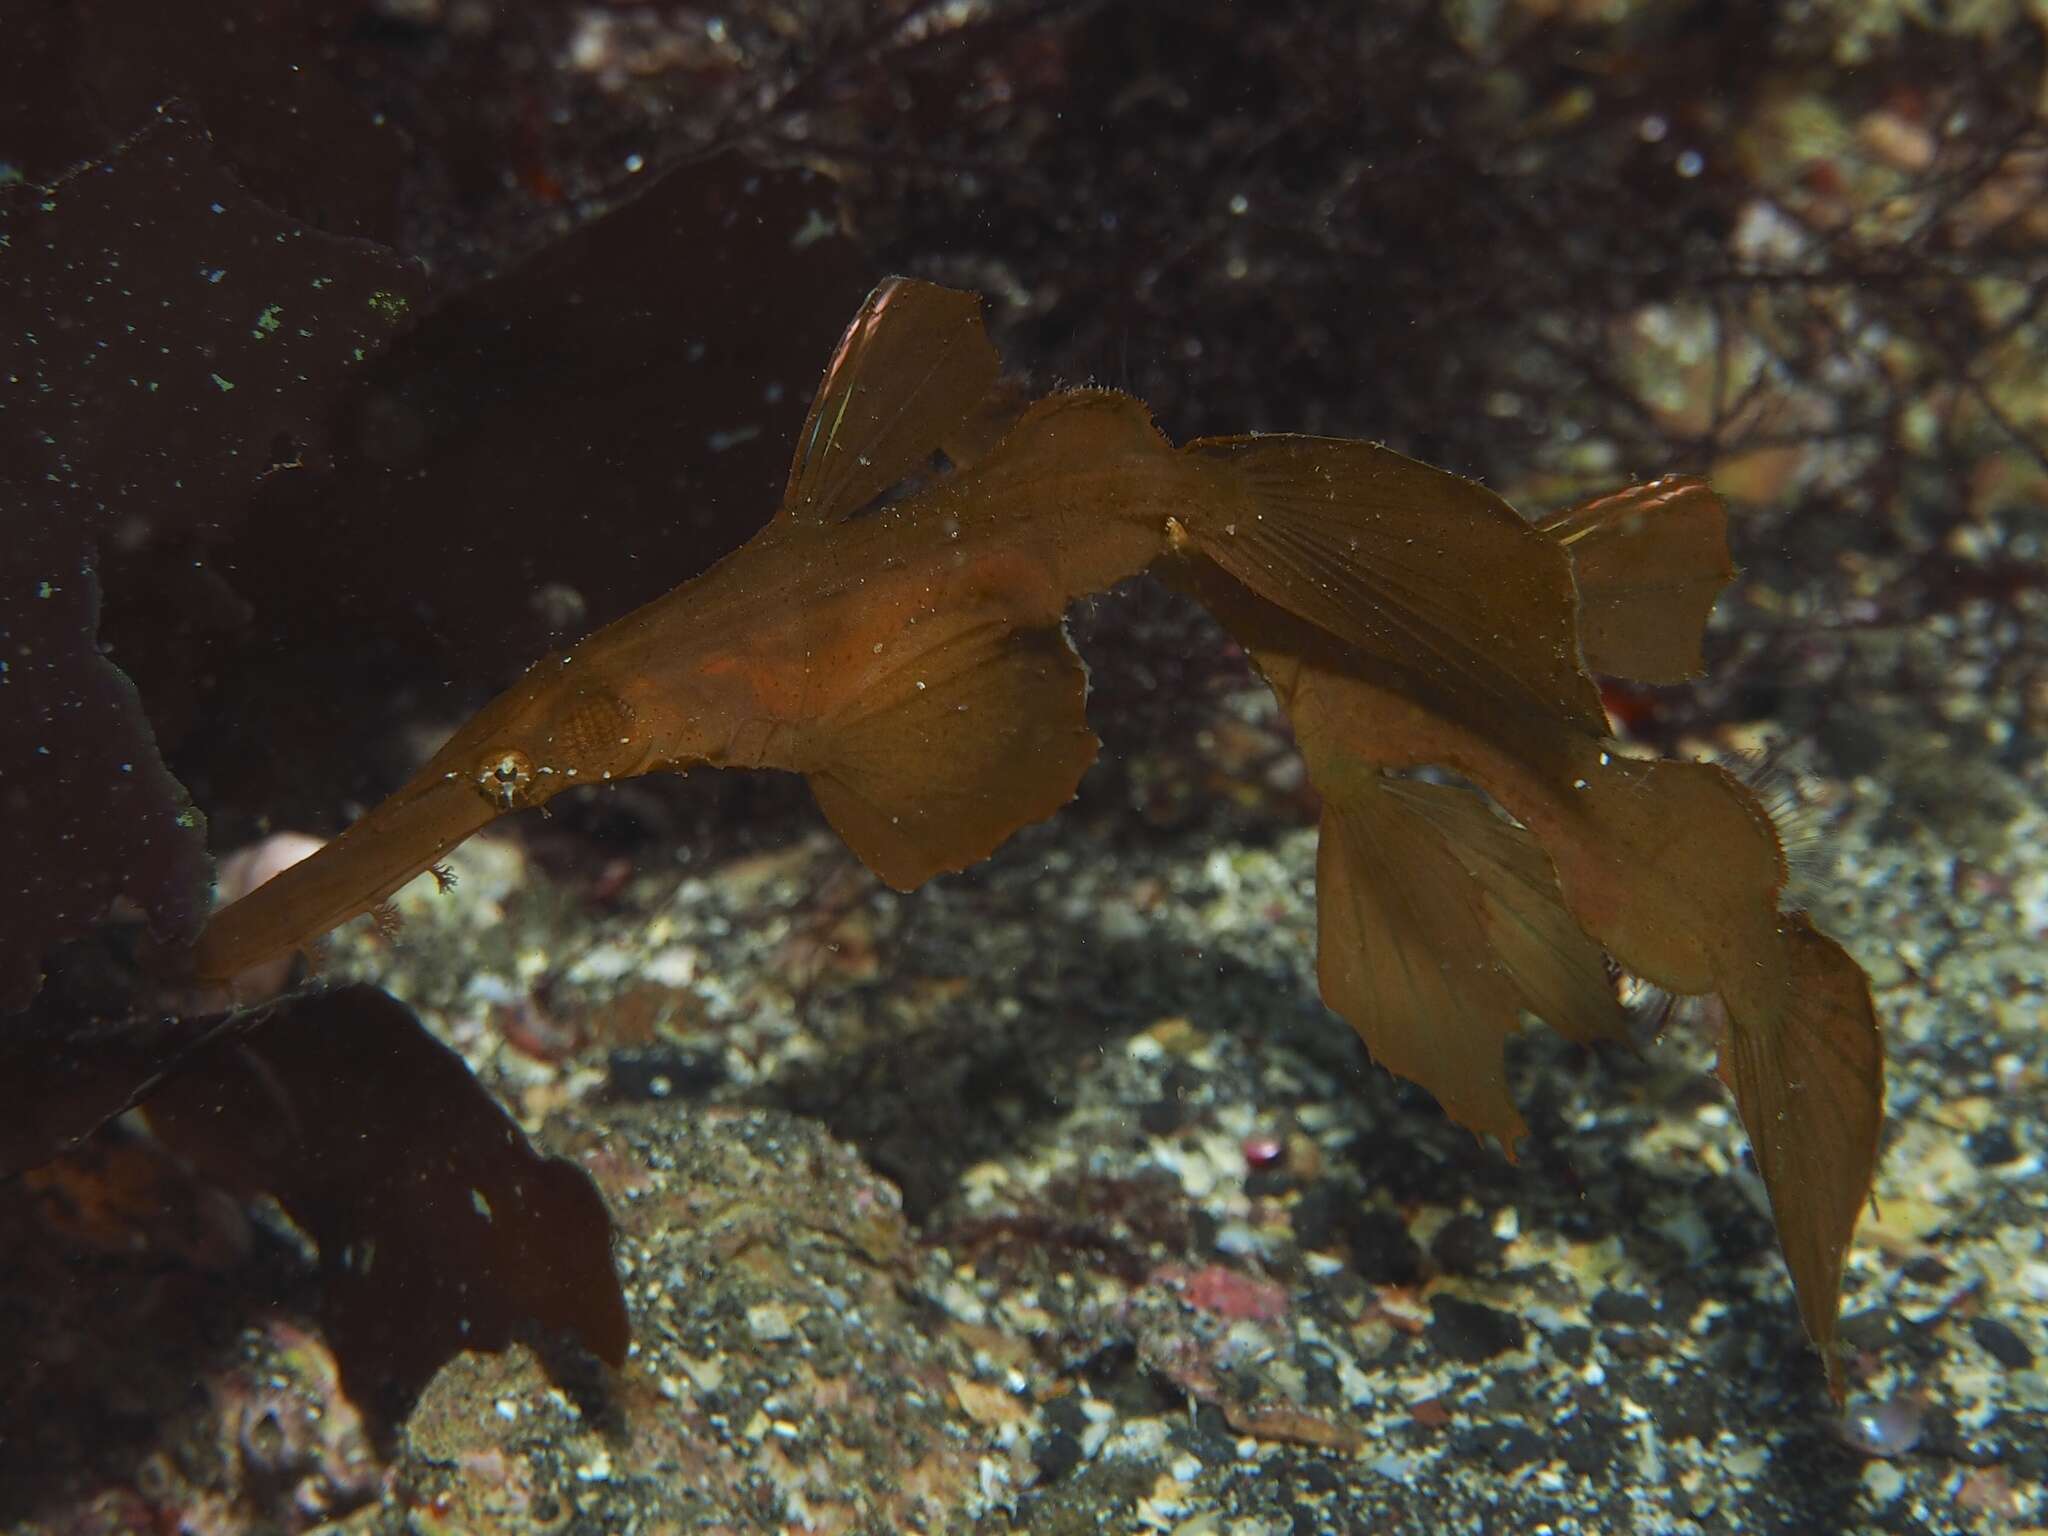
(1264, 1150)
(1226, 1292)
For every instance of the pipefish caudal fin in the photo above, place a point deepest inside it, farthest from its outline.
(895, 633)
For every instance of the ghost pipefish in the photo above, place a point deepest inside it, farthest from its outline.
(895, 634)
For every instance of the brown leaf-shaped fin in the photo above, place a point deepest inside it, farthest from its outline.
(1406, 562)
(1438, 925)
(1806, 1063)
(1650, 561)
(1561, 974)
(933, 766)
(1673, 867)
(911, 369)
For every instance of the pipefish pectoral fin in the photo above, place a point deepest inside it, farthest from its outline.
(938, 762)
(405, 836)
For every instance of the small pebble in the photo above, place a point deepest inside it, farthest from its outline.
(2002, 1344)
(1883, 1482)
(1883, 1428)
(1263, 1151)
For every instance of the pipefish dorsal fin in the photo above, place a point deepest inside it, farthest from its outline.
(911, 369)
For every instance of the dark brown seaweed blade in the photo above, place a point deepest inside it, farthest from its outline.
(160, 332)
(439, 1228)
(57, 1088)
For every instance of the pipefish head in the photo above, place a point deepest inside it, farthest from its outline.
(534, 742)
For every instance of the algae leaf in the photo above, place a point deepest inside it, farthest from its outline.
(132, 286)
(439, 1228)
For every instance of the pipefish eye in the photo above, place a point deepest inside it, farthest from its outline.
(503, 778)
